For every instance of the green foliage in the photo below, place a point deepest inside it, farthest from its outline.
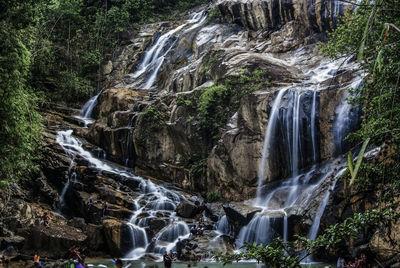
(213, 196)
(354, 171)
(73, 38)
(152, 118)
(368, 34)
(20, 124)
(214, 14)
(381, 176)
(195, 163)
(213, 106)
(285, 254)
(185, 100)
(197, 169)
(210, 61)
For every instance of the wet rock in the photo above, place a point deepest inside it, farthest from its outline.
(56, 239)
(113, 233)
(107, 68)
(214, 210)
(271, 15)
(384, 242)
(95, 240)
(187, 209)
(239, 214)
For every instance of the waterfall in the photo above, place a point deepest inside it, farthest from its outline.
(313, 130)
(291, 135)
(154, 199)
(223, 226)
(346, 120)
(273, 118)
(87, 110)
(313, 232)
(257, 231)
(295, 135)
(154, 57)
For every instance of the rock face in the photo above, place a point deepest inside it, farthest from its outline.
(239, 215)
(271, 15)
(187, 209)
(56, 239)
(154, 131)
(151, 121)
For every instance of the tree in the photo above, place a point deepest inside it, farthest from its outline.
(20, 126)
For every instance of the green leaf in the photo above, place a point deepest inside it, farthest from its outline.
(359, 159)
(365, 34)
(350, 163)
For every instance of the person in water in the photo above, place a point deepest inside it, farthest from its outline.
(167, 260)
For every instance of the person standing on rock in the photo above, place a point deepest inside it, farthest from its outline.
(90, 204)
(167, 260)
(46, 219)
(179, 247)
(36, 260)
(104, 209)
(118, 263)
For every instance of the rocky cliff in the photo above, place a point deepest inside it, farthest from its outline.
(155, 130)
(188, 106)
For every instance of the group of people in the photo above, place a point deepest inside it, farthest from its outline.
(37, 262)
(104, 206)
(199, 228)
(356, 263)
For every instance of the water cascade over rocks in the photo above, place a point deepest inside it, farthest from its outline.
(278, 147)
(146, 73)
(155, 199)
(291, 133)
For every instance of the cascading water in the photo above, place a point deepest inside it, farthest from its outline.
(290, 136)
(87, 110)
(129, 162)
(223, 226)
(346, 120)
(154, 57)
(157, 199)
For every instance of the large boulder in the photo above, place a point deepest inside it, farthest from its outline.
(118, 236)
(187, 209)
(55, 240)
(239, 214)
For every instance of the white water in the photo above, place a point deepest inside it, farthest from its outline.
(286, 117)
(344, 119)
(223, 226)
(267, 142)
(313, 129)
(155, 55)
(87, 110)
(157, 199)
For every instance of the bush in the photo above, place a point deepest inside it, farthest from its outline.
(213, 196)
